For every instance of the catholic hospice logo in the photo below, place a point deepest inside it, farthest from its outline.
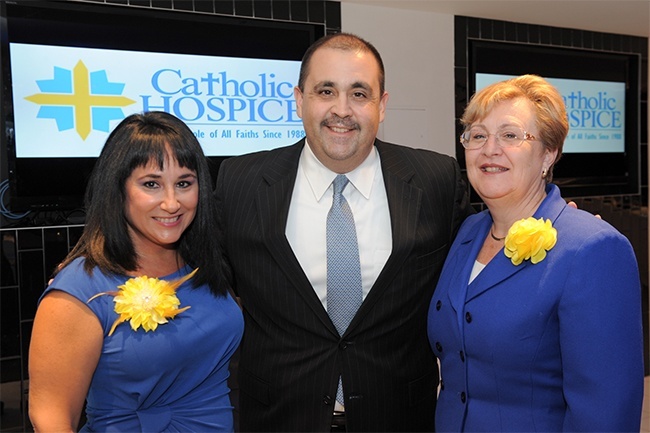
(80, 99)
(67, 100)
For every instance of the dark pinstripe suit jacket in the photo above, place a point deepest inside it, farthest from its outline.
(291, 353)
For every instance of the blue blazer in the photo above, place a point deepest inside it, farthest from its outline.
(555, 346)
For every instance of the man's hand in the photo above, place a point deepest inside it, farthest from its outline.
(575, 206)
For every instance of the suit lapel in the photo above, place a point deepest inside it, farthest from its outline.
(273, 200)
(403, 203)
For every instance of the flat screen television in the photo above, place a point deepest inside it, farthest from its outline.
(71, 71)
(601, 91)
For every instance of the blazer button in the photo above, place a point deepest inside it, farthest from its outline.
(327, 400)
(343, 345)
(438, 346)
(438, 305)
(463, 397)
(468, 317)
(462, 356)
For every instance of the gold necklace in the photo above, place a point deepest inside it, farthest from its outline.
(494, 237)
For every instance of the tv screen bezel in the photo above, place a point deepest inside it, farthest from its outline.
(60, 182)
(577, 174)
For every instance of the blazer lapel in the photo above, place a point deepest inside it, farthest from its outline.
(497, 270)
(500, 267)
(459, 266)
(273, 201)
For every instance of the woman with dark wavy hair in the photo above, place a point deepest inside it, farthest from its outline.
(138, 321)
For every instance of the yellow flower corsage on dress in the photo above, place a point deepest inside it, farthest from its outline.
(146, 302)
(529, 238)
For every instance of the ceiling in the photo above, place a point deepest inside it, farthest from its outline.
(629, 17)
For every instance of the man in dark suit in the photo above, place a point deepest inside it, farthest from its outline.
(407, 206)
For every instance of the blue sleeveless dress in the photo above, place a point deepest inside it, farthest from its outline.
(172, 379)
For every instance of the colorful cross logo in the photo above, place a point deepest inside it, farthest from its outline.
(78, 97)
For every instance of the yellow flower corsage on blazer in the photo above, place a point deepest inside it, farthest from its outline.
(146, 302)
(529, 238)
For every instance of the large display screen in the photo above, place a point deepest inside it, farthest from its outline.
(596, 111)
(73, 71)
(73, 97)
(601, 94)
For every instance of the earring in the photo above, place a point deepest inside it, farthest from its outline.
(544, 173)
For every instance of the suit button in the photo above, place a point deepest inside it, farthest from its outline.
(438, 346)
(438, 305)
(463, 398)
(468, 317)
(462, 356)
(343, 345)
(327, 400)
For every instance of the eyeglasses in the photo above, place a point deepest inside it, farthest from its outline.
(513, 136)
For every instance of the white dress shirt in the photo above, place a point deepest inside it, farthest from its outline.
(310, 203)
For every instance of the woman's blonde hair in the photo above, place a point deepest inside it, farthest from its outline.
(550, 112)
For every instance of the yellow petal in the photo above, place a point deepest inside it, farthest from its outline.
(101, 294)
(174, 284)
(529, 238)
(117, 322)
(179, 311)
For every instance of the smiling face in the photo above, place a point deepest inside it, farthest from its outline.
(509, 176)
(160, 204)
(341, 107)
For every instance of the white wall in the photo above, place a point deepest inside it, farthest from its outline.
(418, 53)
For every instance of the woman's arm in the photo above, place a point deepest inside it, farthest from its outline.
(601, 338)
(64, 351)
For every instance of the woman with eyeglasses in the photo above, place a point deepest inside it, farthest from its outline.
(536, 319)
